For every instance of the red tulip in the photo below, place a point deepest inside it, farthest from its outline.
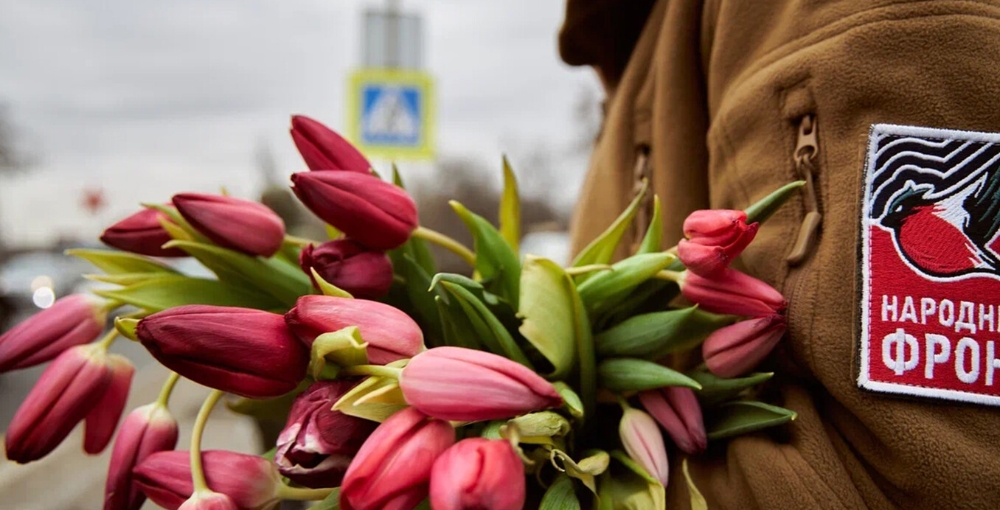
(478, 473)
(391, 335)
(146, 430)
(714, 239)
(734, 293)
(233, 223)
(362, 272)
(208, 500)
(70, 321)
(369, 210)
(393, 468)
(102, 420)
(323, 149)
(68, 390)
(238, 350)
(678, 412)
(644, 443)
(735, 350)
(452, 383)
(318, 443)
(251, 482)
(141, 233)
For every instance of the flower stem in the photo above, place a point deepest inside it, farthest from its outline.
(673, 276)
(446, 242)
(168, 388)
(197, 471)
(108, 339)
(299, 494)
(376, 370)
(573, 271)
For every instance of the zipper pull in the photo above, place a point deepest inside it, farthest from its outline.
(806, 150)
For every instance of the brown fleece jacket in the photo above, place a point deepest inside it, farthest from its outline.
(715, 91)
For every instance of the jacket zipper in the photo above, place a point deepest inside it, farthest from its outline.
(805, 155)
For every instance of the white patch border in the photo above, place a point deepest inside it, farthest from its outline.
(864, 381)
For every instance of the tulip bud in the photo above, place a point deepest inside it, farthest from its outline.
(208, 500)
(734, 293)
(247, 352)
(323, 149)
(644, 443)
(369, 210)
(70, 321)
(100, 423)
(715, 238)
(478, 473)
(66, 392)
(146, 430)
(251, 482)
(391, 335)
(452, 383)
(141, 233)
(678, 412)
(735, 350)
(348, 265)
(393, 468)
(233, 223)
(318, 443)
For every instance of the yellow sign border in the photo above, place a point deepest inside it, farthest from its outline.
(423, 82)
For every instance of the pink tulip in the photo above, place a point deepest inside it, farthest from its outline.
(369, 210)
(146, 430)
(208, 500)
(478, 473)
(715, 238)
(644, 443)
(251, 482)
(390, 334)
(393, 468)
(732, 292)
(70, 321)
(323, 149)
(141, 233)
(678, 412)
(452, 383)
(238, 350)
(735, 350)
(233, 223)
(318, 443)
(73, 385)
(101, 421)
(362, 272)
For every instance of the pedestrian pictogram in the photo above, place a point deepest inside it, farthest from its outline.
(392, 113)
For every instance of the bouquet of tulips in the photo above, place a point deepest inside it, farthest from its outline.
(526, 385)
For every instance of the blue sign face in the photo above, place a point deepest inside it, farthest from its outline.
(391, 115)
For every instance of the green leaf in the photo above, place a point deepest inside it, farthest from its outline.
(510, 208)
(496, 261)
(343, 348)
(126, 279)
(654, 335)
(742, 417)
(543, 424)
(492, 429)
(327, 288)
(715, 389)
(126, 327)
(273, 276)
(633, 488)
(560, 495)
(547, 307)
(605, 289)
(595, 463)
(332, 233)
(765, 207)
(177, 226)
(332, 502)
(697, 500)
(474, 287)
(417, 289)
(119, 262)
(488, 328)
(652, 241)
(158, 295)
(571, 401)
(456, 329)
(602, 249)
(626, 374)
(375, 398)
(415, 247)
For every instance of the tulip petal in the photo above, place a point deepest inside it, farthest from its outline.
(100, 423)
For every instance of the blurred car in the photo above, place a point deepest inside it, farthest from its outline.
(33, 280)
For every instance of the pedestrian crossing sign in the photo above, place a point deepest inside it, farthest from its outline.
(392, 113)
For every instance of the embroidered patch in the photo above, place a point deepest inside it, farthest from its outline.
(930, 264)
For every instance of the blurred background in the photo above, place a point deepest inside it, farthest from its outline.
(105, 104)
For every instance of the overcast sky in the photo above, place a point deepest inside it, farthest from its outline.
(144, 99)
